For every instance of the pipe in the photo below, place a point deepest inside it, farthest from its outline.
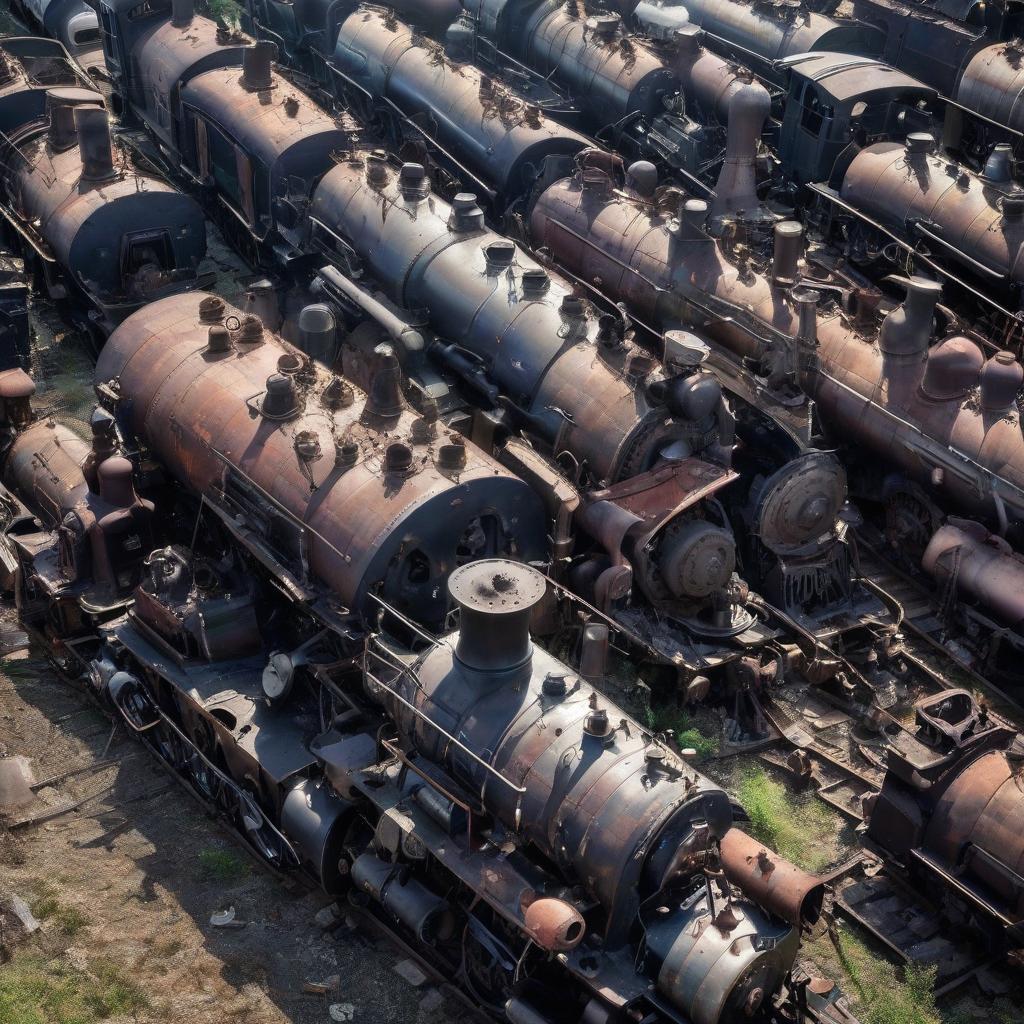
(777, 885)
(907, 330)
(401, 332)
(788, 248)
(736, 188)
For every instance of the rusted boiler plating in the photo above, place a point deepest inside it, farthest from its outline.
(951, 810)
(100, 229)
(500, 139)
(628, 888)
(627, 433)
(348, 489)
(872, 381)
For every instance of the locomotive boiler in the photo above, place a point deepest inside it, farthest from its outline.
(951, 812)
(348, 489)
(500, 140)
(870, 380)
(381, 800)
(105, 235)
(619, 426)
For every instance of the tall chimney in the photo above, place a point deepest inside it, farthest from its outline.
(495, 599)
(93, 127)
(256, 60)
(736, 188)
(907, 330)
(182, 12)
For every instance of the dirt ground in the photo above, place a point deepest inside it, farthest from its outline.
(125, 887)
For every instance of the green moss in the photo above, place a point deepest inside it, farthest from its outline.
(227, 11)
(786, 823)
(222, 866)
(35, 990)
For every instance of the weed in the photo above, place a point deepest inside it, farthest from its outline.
(787, 824)
(222, 866)
(47, 907)
(882, 993)
(687, 733)
(35, 990)
(227, 11)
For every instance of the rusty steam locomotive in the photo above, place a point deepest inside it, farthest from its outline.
(244, 611)
(632, 450)
(105, 235)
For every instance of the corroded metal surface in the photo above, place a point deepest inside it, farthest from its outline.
(493, 132)
(385, 508)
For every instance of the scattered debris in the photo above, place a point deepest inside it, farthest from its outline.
(342, 1011)
(321, 988)
(226, 919)
(411, 972)
(17, 921)
(15, 784)
(328, 917)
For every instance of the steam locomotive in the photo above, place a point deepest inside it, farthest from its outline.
(653, 261)
(105, 235)
(641, 448)
(250, 619)
(756, 316)
(950, 810)
(969, 52)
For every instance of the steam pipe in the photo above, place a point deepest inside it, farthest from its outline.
(407, 337)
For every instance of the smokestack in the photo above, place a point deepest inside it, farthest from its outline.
(182, 12)
(93, 127)
(806, 300)
(907, 330)
(60, 109)
(384, 402)
(736, 188)
(789, 238)
(495, 599)
(256, 60)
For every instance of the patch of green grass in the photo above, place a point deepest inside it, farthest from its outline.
(227, 11)
(222, 866)
(35, 990)
(687, 734)
(47, 906)
(882, 993)
(786, 823)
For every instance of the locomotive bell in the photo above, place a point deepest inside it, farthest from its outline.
(496, 598)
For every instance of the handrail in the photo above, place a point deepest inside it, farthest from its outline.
(429, 721)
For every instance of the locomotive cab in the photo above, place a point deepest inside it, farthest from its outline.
(834, 99)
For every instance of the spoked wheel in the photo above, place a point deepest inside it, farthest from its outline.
(488, 967)
(911, 519)
(257, 829)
